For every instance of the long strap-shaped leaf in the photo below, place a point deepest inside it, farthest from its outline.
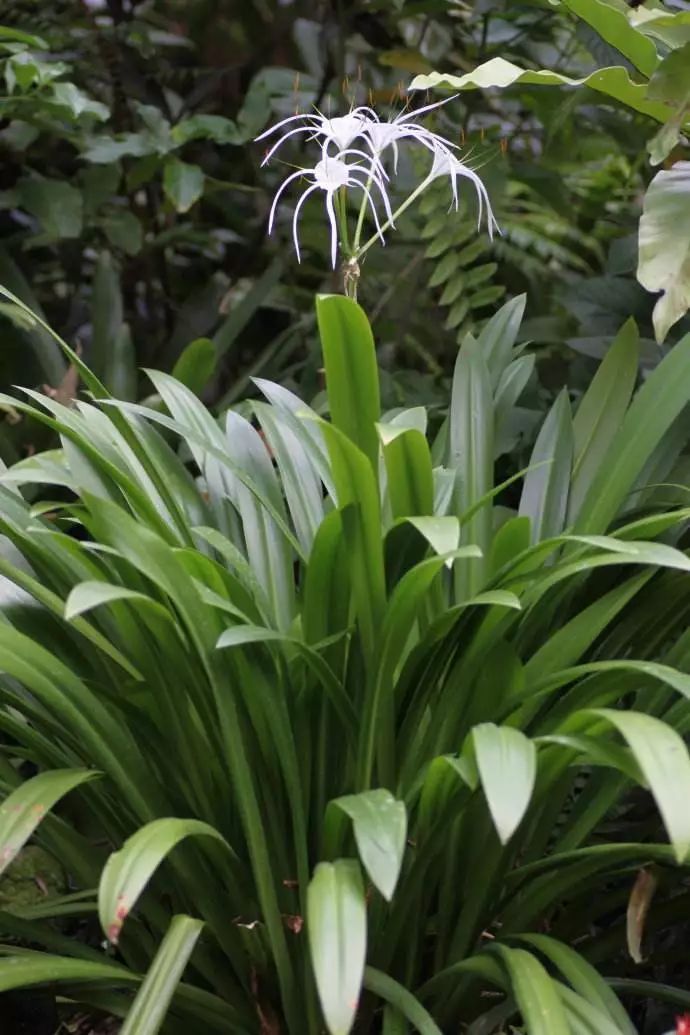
(22, 811)
(158, 987)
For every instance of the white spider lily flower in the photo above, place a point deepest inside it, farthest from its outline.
(381, 135)
(329, 175)
(446, 164)
(340, 131)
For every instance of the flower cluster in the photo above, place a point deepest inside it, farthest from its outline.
(355, 149)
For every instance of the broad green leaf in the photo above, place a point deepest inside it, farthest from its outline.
(664, 253)
(614, 82)
(408, 467)
(665, 763)
(299, 471)
(498, 337)
(78, 103)
(507, 764)
(207, 127)
(358, 501)
(123, 229)
(196, 365)
(442, 534)
(655, 407)
(337, 932)
(88, 595)
(601, 412)
(471, 455)
(379, 822)
(583, 1017)
(156, 991)
(106, 314)
(671, 80)
(56, 204)
(583, 977)
(23, 809)
(612, 24)
(27, 969)
(544, 498)
(535, 993)
(183, 184)
(404, 1002)
(352, 376)
(128, 871)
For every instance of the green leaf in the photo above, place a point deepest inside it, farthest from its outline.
(337, 931)
(601, 412)
(471, 454)
(207, 127)
(614, 82)
(352, 377)
(544, 498)
(671, 80)
(507, 764)
(22, 811)
(123, 230)
(498, 337)
(128, 871)
(379, 822)
(663, 758)
(535, 993)
(147, 1013)
(88, 595)
(583, 977)
(56, 204)
(408, 466)
(106, 315)
(612, 24)
(69, 96)
(196, 365)
(664, 253)
(404, 1002)
(183, 184)
(657, 404)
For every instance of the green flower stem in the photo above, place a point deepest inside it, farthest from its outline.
(359, 252)
(361, 215)
(341, 209)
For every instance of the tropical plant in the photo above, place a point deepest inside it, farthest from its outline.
(388, 714)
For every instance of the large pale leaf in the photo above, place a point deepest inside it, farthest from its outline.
(664, 254)
(337, 930)
(544, 498)
(379, 822)
(507, 764)
(614, 82)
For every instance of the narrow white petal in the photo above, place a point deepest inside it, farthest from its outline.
(370, 200)
(334, 226)
(298, 206)
(284, 184)
(283, 122)
(427, 107)
(291, 133)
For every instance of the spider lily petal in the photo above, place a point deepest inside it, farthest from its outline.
(446, 164)
(329, 175)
